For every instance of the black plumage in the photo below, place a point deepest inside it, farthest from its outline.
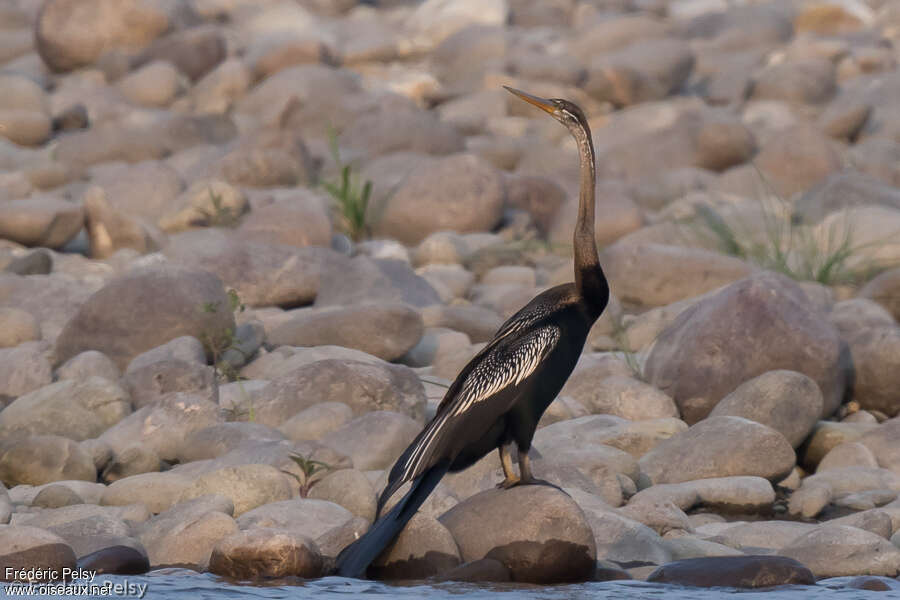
(499, 396)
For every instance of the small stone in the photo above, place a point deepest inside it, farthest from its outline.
(809, 81)
(155, 84)
(194, 51)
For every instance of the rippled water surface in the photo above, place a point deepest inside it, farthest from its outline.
(177, 585)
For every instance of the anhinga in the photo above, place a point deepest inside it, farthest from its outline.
(499, 397)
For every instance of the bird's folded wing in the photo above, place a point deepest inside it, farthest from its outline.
(500, 369)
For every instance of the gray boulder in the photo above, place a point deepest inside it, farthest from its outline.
(885, 290)
(186, 534)
(734, 572)
(874, 353)
(631, 399)
(720, 447)
(619, 538)
(385, 330)
(24, 368)
(31, 547)
(157, 491)
(698, 361)
(247, 486)
(88, 364)
(259, 553)
(425, 548)
(374, 440)
(363, 386)
(314, 422)
(786, 401)
(134, 459)
(76, 409)
(539, 533)
(728, 494)
(17, 326)
(262, 273)
(312, 518)
(40, 221)
(222, 438)
(836, 550)
(349, 488)
(172, 301)
(420, 205)
(41, 459)
(56, 496)
(163, 426)
(59, 35)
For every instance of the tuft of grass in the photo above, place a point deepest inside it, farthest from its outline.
(620, 336)
(310, 472)
(217, 344)
(350, 199)
(801, 252)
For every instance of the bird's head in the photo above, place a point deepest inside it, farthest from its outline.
(563, 111)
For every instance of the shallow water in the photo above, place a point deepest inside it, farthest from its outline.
(173, 584)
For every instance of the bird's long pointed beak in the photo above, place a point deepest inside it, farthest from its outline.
(541, 103)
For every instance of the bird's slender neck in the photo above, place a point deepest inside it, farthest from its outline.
(589, 278)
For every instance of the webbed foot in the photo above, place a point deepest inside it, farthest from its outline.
(508, 483)
(536, 481)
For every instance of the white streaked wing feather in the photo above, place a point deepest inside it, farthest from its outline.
(503, 367)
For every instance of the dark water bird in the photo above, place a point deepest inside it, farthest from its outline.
(499, 397)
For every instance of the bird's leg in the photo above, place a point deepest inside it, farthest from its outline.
(506, 461)
(526, 477)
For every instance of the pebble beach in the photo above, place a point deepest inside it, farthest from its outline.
(247, 245)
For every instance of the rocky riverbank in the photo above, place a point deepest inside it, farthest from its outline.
(215, 337)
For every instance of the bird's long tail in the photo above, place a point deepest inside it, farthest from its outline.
(355, 558)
